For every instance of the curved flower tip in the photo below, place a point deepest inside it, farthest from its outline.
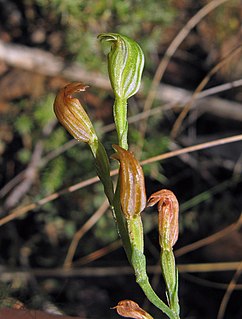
(130, 309)
(132, 183)
(125, 64)
(168, 209)
(72, 115)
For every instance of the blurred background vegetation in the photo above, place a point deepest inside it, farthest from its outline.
(38, 157)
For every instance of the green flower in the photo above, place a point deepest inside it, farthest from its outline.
(125, 64)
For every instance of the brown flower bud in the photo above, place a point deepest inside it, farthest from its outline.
(71, 114)
(132, 184)
(168, 209)
(130, 309)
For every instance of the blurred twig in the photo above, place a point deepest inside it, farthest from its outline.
(7, 274)
(23, 210)
(199, 88)
(170, 52)
(179, 252)
(220, 88)
(207, 283)
(11, 184)
(81, 232)
(98, 253)
(48, 64)
(230, 289)
(209, 267)
(219, 107)
(10, 313)
(210, 239)
(27, 177)
(194, 148)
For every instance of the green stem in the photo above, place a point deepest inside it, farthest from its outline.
(135, 230)
(103, 171)
(120, 119)
(121, 223)
(170, 274)
(138, 262)
(103, 168)
(155, 300)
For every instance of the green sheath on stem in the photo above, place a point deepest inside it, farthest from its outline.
(170, 275)
(138, 262)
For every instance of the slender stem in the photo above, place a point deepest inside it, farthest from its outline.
(137, 259)
(120, 119)
(103, 168)
(170, 274)
(138, 262)
(155, 300)
(121, 223)
(135, 230)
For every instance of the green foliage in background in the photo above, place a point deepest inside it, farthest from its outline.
(68, 29)
(83, 20)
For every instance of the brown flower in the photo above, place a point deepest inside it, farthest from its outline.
(130, 309)
(168, 209)
(72, 115)
(132, 184)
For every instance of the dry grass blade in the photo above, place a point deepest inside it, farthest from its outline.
(113, 271)
(194, 148)
(98, 253)
(11, 184)
(179, 252)
(202, 84)
(229, 291)
(209, 267)
(220, 88)
(172, 49)
(81, 232)
(20, 211)
(141, 116)
(200, 243)
(207, 283)
(210, 239)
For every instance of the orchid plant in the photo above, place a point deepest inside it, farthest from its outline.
(128, 199)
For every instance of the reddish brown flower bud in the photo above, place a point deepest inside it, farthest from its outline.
(130, 309)
(71, 114)
(168, 209)
(132, 184)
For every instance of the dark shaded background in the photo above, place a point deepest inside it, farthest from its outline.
(34, 164)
